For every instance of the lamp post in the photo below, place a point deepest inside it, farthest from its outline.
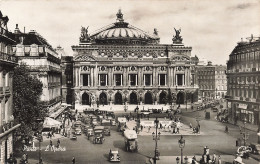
(39, 137)
(156, 137)
(181, 145)
(216, 92)
(245, 135)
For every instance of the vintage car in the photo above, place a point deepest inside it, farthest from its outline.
(215, 109)
(73, 137)
(77, 124)
(90, 132)
(121, 124)
(106, 124)
(98, 135)
(78, 131)
(114, 156)
(130, 140)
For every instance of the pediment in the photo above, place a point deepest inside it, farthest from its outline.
(84, 58)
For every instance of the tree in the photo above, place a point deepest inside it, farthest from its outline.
(27, 90)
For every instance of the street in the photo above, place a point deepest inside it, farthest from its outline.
(212, 135)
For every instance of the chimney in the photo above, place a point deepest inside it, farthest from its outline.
(16, 30)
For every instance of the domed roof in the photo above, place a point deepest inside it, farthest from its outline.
(123, 33)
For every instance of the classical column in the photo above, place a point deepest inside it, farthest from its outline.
(121, 79)
(151, 79)
(95, 76)
(144, 79)
(76, 76)
(106, 79)
(136, 80)
(81, 80)
(174, 77)
(165, 77)
(88, 79)
(159, 80)
(92, 76)
(99, 80)
(183, 79)
(142, 76)
(80, 84)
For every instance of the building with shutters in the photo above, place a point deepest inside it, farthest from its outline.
(7, 63)
(243, 79)
(34, 50)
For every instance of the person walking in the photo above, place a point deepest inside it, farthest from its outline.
(149, 129)
(142, 128)
(219, 159)
(226, 129)
(58, 143)
(51, 145)
(73, 160)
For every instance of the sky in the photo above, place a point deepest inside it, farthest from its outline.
(212, 28)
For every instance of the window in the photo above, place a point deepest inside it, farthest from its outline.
(102, 80)
(162, 79)
(118, 79)
(85, 79)
(148, 79)
(133, 79)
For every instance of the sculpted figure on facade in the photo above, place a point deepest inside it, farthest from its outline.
(84, 37)
(177, 38)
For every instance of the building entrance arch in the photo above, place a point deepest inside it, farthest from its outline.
(103, 98)
(162, 98)
(118, 99)
(86, 99)
(180, 98)
(148, 98)
(133, 98)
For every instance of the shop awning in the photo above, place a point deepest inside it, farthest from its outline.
(51, 123)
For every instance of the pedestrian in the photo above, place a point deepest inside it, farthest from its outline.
(51, 145)
(194, 161)
(219, 159)
(178, 130)
(214, 159)
(73, 160)
(198, 128)
(142, 128)
(226, 129)
(149, 129)
(58, 143)
(160, 125)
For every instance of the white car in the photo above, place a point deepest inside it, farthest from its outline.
(78, 131)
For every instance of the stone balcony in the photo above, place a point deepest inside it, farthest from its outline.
(4, 57)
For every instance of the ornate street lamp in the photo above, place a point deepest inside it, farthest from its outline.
(39, 137)
(181, 145)
(156, 137)
(216, 92)
(245, 135)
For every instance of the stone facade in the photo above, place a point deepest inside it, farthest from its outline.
(7, 64)
(123, 64)
(243, 82)
(212, 81)
(44, 62)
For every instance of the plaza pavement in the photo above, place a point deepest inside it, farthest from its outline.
(184, 129)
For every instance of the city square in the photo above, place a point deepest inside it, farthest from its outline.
(129, 82)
